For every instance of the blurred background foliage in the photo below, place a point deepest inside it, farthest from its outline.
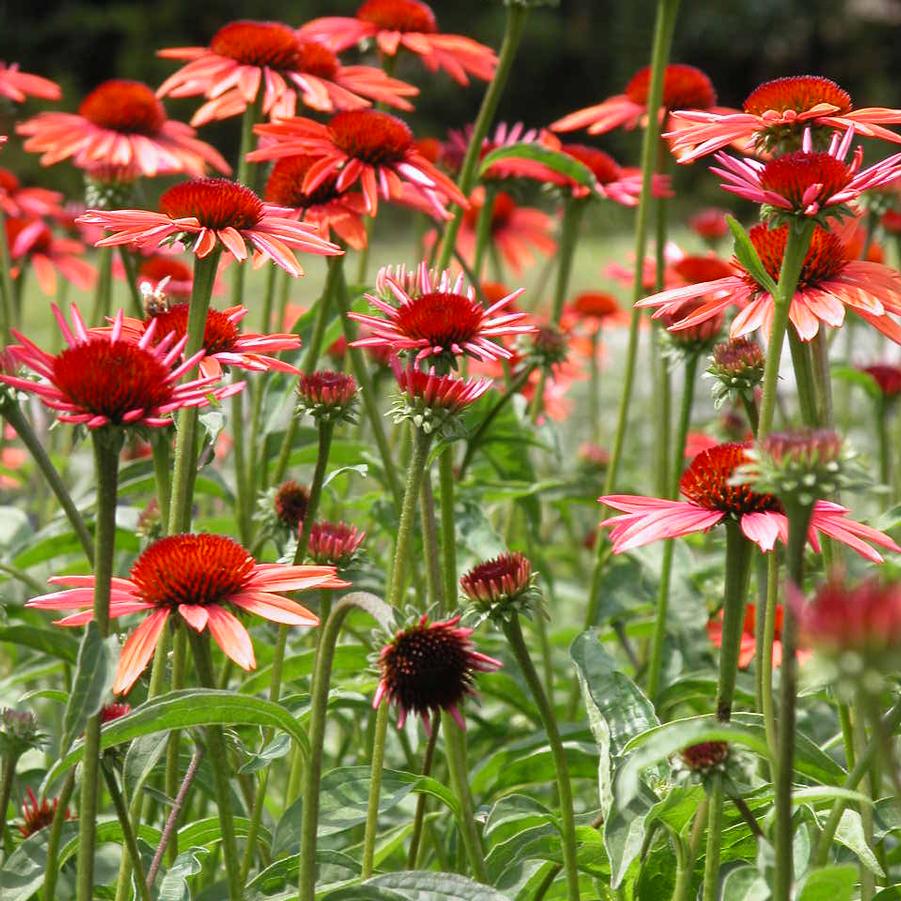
(572, 55)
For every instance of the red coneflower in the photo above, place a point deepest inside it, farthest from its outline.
(829, 282)
(684, 87)
(705, 756)
(775, 113)
(114, 711)
(37, 815)
(16, 85)
(246, 57)
(516, 231)
(290, 504)
(373, 148)
(712, 497)
(327, 394)
(121, 123)
(442, 319)
(595, 308)
(200, 577)
(430, 667)
(334, 543)
(411, 25)
(27, 202)
(220, 213)
(748, 646)
(454, 150)
(159, 266)
(499, 582)
(887, 376)
(103, 379)
(806, 182)
(223, 343)
(710, 224)
(32, 243)
(439, 393)
(326, 207)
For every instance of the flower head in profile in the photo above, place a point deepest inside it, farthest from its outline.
(712, 496)
(369, 147)
(223, 342)
(115, 711)
(594, 310)
(429, 667)
(830, 282)
(406, 25)
(19, 732)
(120, 123)
(327, 395)
(217, 214)
(737, 365)
(246, 58)
(334, 543)
(327, 208)
(433, 402)
(32, 244)
(520, 233)
(887, 377)
(705, 756)
(290, 504)
(441, 318)
(17, 86)
(710, 224)
(774, 117)
(37, 815)
(203, 578)
(503, 587)
(808, 183)
(684, 87)
(103, 379)
(24, 202)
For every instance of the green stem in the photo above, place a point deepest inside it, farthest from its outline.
(430, 548)
(185, 444)
(6, 788)
(655, 664)
(367, 391)
(107, 443)
(14, 416)
(513, 631)
(594, 388)
(483, 232)
(765, 661)
(419, 816)
(103, 293)
(685, 872)
(242, 494)
(796, 247)
(885, 444)
(131, 842)
(448, 525)
(218, 754)
(131, 279)
(803, 367)
(798, 524)
(714, 837)
(515, 23)
(179, 662)
(573, 211)
(6, 285)
(375, 788)
(871, 787)
(56, 831)
(663, 33)
(822, 380)
(162, 470)
(326, 430)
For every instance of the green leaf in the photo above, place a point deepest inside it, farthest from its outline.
(850, 833)
(349, 658)
(556, 160)
(54, 642)
(142, 756)
(746, 254)
(208, 831)
(94, 673)
(836, 883)
(23, 871)
(279, 747)
(361, 469)
(854, 376)
(617, 708)
(417, 885)
(174, 886)
(64, 544)
(693, 686)
(183, 710)
(745, 884)
(110, 830)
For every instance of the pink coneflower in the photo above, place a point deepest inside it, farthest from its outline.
(326, 394)
(806, 182)
(373, 148)
(430, 667)
(103, 379)
(123, 124)
(31, 243)
(220, 213)
(710, 224)
(748, 645)
(829, 282)
(200, 577)
(707, 483)
(443, 318)
(595, 309)
(326, 208)
(774, 115)
(505, 135)
(684, 87)
(334, 543)
(887, 377)
(518, 232)
(246, 57)
(37, 815)
(27, 203)
(223, 343)
(444, 393)
(16, 85)
(408, 25)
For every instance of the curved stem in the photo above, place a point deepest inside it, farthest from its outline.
(517, 642)
(14, 416)
(515, 22)
(655, 663)
(218, 753)
(663, 33)
(796, 246)
(107, 444)
(185, 444)
(375, 787)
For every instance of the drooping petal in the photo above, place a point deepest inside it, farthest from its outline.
(138, 650)
(231, 636)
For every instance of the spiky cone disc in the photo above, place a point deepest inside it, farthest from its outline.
(503, 587)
